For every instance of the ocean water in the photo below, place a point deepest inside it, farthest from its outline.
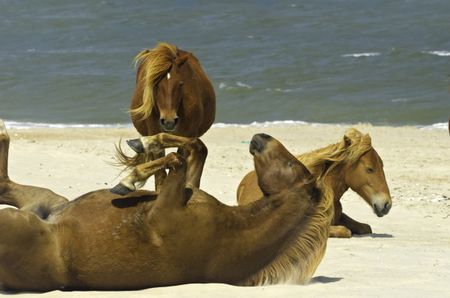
(347, 61)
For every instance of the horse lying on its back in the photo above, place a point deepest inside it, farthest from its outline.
(106, 241)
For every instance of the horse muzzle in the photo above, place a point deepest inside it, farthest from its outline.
(258, 143)
(168, 125)
(381, 209)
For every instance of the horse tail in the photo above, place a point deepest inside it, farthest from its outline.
(123, 160)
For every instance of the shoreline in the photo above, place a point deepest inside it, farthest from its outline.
(407, 256)
(42, 125)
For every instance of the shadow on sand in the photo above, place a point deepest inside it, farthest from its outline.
(324, 279)
(374, 235)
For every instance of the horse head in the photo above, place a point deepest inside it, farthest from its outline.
(168, 94)
(277, 169)
(366, 177)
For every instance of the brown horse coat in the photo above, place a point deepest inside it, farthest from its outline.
(351, 163)
(105, 241)
(173, 95)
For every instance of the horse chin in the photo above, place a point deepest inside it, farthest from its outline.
(169, 130)
(378, 212)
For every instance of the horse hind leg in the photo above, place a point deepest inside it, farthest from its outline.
(25, 197)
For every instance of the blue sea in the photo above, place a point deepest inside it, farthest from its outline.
(387, 62)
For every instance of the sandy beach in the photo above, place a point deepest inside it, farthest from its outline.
(407, 256)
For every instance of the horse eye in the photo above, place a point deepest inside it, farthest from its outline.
(181, 83)
(289, 164)
(370, 170)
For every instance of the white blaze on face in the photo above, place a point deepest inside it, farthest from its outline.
(168, 76)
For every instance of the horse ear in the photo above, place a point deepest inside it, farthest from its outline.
(182, 59)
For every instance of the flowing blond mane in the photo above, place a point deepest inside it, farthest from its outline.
(322, 161)
(153, 63)
(303, 253)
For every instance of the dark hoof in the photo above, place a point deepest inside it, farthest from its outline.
(120, 189)
(136, 145)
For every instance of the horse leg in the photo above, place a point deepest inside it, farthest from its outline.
(160, 175)
(195, 153)
(25, 197)
(337, 230)
(355, 226)
(192, 149)
(29, 256)
(141, 173)
(340, 232)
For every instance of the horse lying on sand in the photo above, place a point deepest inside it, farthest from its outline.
(173, 95)
(108, 242)
(352, 163)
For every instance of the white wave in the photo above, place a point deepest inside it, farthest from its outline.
(438, 53)
(358, 55)
(399, 100)
(261, 124)
(29, 125)
(280, 90)
(240, 84)
(222, 85)
(442, 125)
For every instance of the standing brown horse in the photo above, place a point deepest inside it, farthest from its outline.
(108, 242)
(172, 95)
(352, 163)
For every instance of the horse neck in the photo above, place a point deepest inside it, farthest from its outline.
(335, 179)
(302, 248)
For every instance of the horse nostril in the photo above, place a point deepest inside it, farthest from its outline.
(175, 120)
(387, 206)
(162, 121)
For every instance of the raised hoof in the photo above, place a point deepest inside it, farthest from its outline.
(120, 189)
(136, 145)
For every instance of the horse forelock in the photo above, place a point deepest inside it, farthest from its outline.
(153, 64)
(324, 160)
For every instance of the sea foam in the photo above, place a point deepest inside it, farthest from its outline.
(358, 55)
(438, 53)
(30, 125)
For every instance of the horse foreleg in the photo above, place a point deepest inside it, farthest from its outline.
(136, 179)
(355, 226)
(25, 197)
(192, 149)
(340, 232)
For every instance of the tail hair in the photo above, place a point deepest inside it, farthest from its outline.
(128, 162)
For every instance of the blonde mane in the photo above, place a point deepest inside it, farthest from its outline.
(301, 256)
(153, 63)
(322, 161)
